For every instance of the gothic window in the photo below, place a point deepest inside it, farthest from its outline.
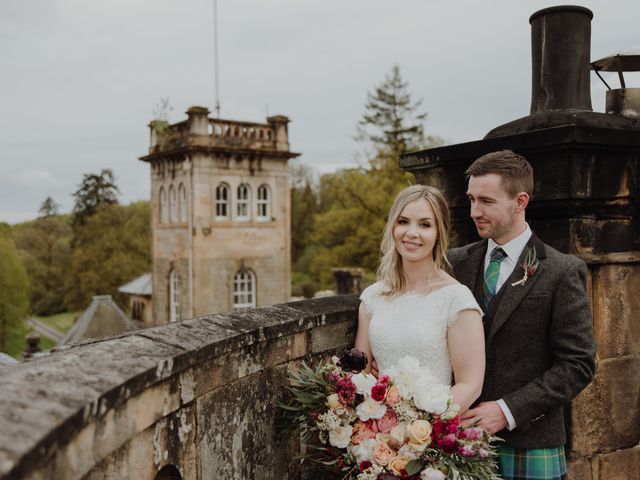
(244, 289)
(244, 202)
(222, 201)
(173, 205)
(164, 212)
(264, 203)
(182, 203)
(174, 296)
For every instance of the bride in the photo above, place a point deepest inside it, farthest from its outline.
(415, 308)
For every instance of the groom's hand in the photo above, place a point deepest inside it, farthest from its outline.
(487, 415)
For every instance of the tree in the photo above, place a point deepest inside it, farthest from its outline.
(48, 208)
(353, 203)
(94, 191)
(391, 121)
(14, 289)
(44, 245)
(110, 248)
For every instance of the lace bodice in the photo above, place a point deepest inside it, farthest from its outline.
(415, 324)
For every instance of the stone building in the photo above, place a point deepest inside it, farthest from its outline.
(139, 295)
(220, 215)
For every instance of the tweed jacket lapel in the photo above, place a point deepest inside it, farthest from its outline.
(509, 297)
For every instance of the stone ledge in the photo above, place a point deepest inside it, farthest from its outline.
(68, 394)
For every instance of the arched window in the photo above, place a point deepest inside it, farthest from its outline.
(182, 202)
(164, 212)
(222, 201)
(174, 296)
(173, 205)
(169, 472)
(244, 289)
(264, 203)
(244, 202)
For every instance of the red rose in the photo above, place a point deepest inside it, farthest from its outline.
(378, 392)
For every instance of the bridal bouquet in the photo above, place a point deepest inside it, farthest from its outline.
(397, 426)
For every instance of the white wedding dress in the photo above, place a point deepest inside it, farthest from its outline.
(415, 324)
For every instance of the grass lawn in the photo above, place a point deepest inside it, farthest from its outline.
(16, 343)
(61, 321)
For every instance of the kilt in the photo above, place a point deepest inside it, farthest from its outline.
(532, 464)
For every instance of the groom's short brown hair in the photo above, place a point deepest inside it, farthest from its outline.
(515, 170)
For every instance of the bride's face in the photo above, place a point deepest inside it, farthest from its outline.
(415, 232)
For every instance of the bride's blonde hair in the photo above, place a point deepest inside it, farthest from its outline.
(390, 272)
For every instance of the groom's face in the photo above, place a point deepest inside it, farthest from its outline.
(493, 210)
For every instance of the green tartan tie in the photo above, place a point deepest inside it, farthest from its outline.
(491, 274)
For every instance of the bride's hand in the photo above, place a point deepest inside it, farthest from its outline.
(374, 368)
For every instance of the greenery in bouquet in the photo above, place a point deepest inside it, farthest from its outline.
(398, 426)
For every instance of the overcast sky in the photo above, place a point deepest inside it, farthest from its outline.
(80, 78)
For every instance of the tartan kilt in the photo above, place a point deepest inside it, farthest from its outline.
(532, 463)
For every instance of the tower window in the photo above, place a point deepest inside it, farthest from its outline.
(164, 212)
(244, 202)
(244, 289)
(264, 203)
(174, 296)
(222, 201)
(182, 203)
(173, 205)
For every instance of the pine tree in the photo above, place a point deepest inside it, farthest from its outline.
(49, 208)
(392, 122)
(94, 191)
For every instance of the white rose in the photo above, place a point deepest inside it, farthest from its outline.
(398, 433)
(431, 396)
(370, 409)
(333, 401)
(364, 450)
(404, 375)
(363, 383)
(432, 474)
(341, 436)
(407, 451)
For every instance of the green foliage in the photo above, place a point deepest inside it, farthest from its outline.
(110, 248)
(344, 226)
(94, 191)
(44, 246)
(14, 289)
(62, 322)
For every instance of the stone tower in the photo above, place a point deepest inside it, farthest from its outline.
(220, 215)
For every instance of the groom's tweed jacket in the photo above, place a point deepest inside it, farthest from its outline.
(539, 340)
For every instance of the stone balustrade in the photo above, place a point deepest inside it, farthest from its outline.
(201, 131)
(191, 400)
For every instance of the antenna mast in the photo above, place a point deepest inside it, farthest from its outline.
(215, 57)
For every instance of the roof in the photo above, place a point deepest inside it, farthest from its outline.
(6, 360)
(102, 318)
(138, 286)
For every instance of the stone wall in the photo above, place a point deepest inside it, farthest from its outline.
(198, 395)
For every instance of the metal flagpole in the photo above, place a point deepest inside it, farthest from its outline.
(215, 57)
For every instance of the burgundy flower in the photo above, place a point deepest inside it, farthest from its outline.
(353, 360)
(388, 476)
(346, 390)
(378, 392)
(364, 465)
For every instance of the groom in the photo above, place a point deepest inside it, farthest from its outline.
(538, 327)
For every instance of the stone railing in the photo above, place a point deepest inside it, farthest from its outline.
(201, 131)
(190, 400)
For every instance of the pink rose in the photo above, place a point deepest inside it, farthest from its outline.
(382, 453)
(393, 396)
(386, 423)
(361, 432)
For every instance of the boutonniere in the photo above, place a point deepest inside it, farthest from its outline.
(529, 267)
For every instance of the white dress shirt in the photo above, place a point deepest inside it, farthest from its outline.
(513, 249)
